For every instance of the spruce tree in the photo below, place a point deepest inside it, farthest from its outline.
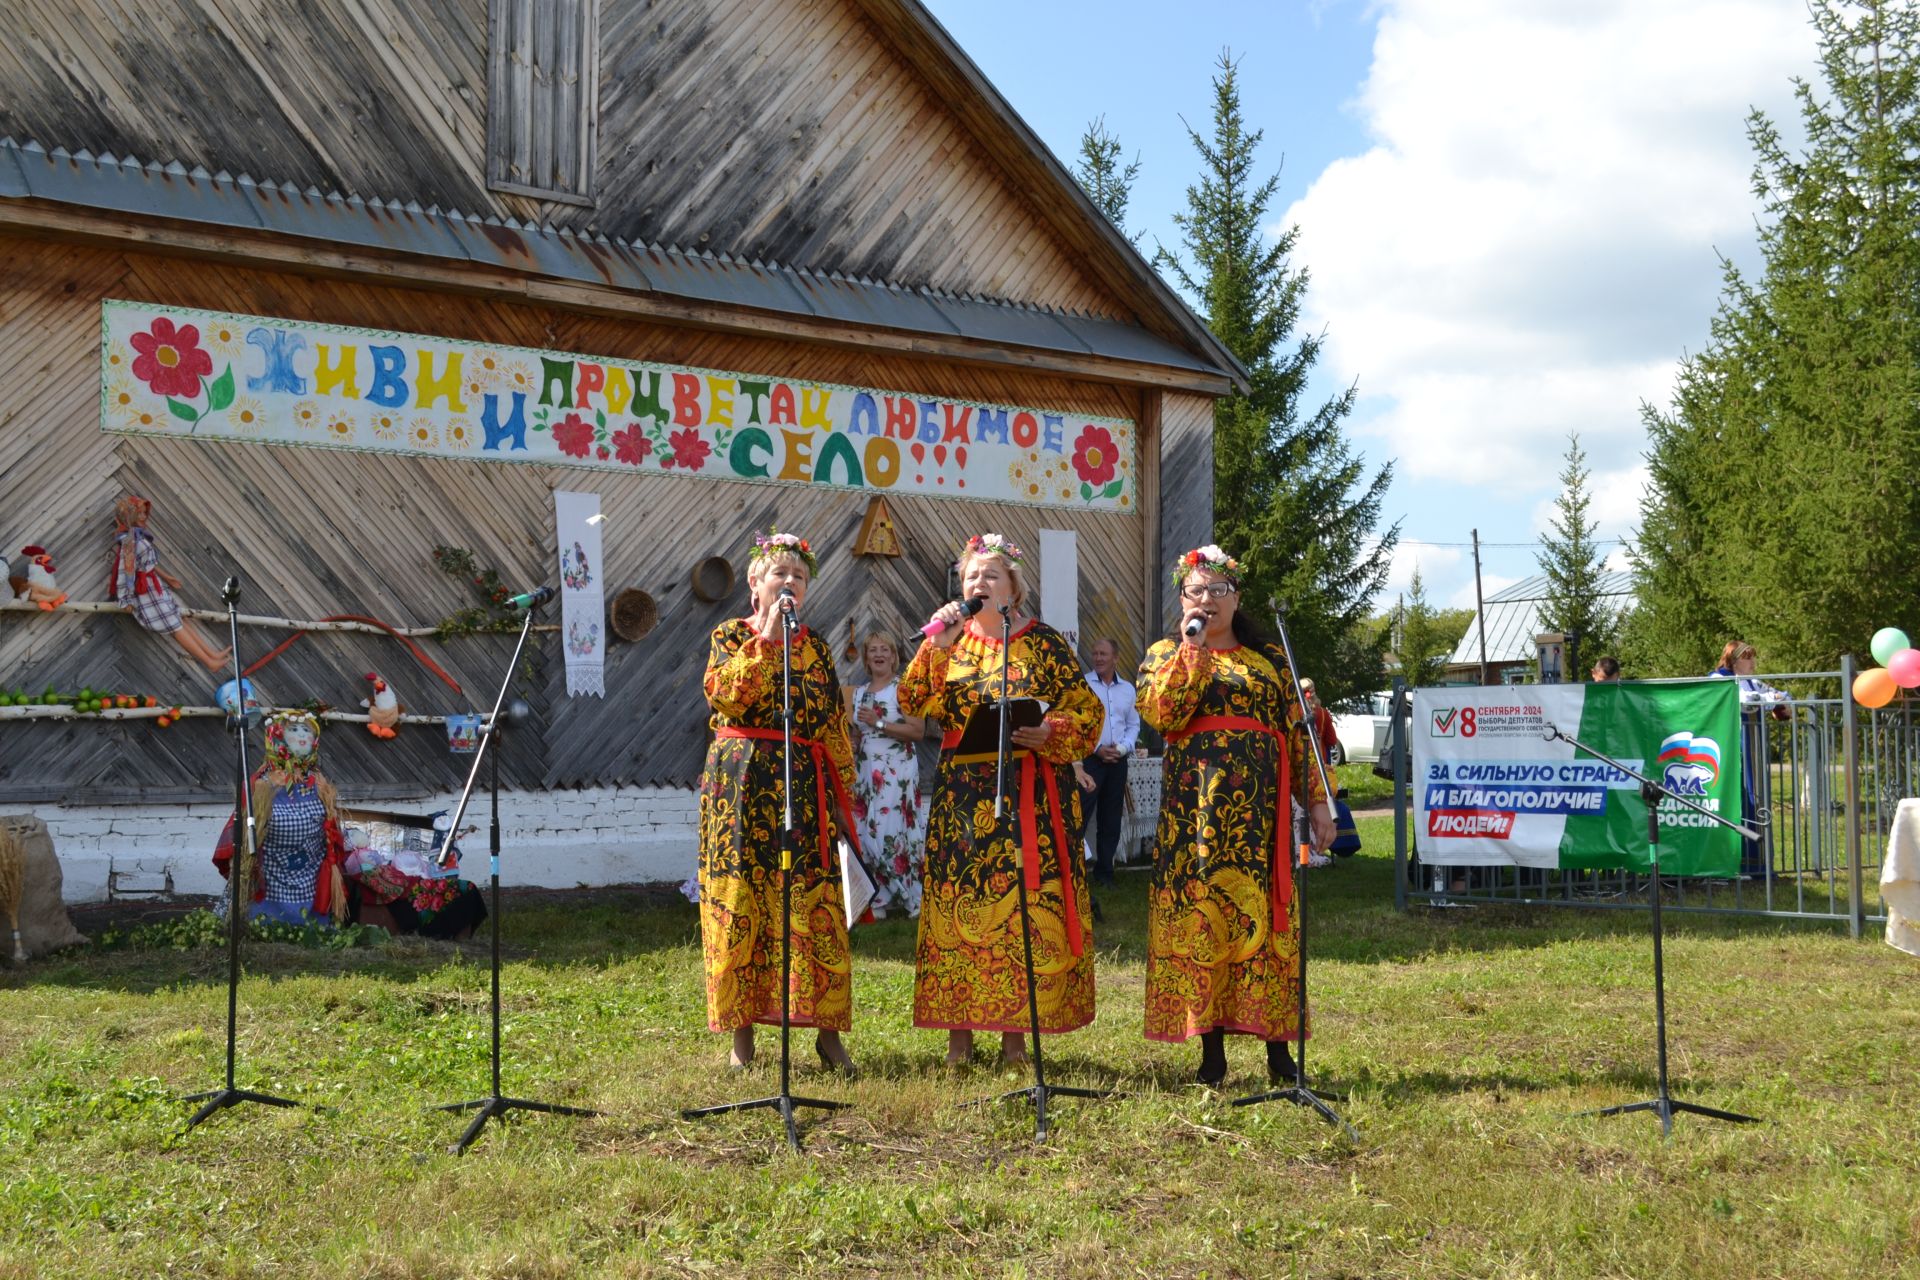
(1782, 508)
(1291, 499)
(1573, 566)
(1107, 182)
(1424, 645)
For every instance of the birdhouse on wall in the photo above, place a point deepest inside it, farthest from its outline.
(879, 535)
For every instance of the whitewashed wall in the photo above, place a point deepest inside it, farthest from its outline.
(548, 839)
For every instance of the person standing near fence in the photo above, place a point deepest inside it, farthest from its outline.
(1223, 925)
(1738, 661)
(1107, 766)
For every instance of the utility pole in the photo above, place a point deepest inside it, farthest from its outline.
(1479, 607)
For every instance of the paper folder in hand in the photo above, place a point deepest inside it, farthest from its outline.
(982, 733)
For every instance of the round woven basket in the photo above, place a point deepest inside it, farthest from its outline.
(713, 579)
(632, 615)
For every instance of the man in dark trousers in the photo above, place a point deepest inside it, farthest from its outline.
(1107, 766)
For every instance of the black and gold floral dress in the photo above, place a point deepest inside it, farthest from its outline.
(1222, 929)
(970, 969)
(740, 817)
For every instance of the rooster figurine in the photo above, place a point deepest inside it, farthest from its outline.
(383, 709)
(41, 588)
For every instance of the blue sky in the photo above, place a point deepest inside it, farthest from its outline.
(1513, 211)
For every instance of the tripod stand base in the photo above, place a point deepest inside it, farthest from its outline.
(497, 1108)
(1666, 1108)
(1301, 1096)
(1038, 1094)
(220, 1099)
(784, 1103)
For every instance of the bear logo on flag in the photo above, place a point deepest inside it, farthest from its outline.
(1688, 764)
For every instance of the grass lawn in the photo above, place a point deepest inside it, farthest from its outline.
(1467, 1039)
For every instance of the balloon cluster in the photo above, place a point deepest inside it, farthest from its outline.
(1899, 669)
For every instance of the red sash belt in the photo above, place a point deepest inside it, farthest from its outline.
(824, 774)
(146, 582)
(1030, 836)
(1282, 892)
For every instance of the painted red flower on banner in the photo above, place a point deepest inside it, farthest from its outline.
(574, 435)
(600, 452)
(689, 450)
(170, 360)
(630, 445)
(1094, 457)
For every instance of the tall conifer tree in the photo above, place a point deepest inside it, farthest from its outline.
(1107, 182)
(1783, 508)
(1291, 499)
(1573, 565)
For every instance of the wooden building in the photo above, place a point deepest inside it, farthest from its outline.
(692, 204)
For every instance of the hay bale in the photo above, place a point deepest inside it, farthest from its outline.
(44, 925)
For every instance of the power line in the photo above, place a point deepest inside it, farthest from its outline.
(1512, 546)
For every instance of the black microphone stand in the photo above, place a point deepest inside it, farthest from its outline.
(1299, 1092)
(495, 1105)
(1039, 1091)
(231, 1095)
(1652, 793)
(784, 1102)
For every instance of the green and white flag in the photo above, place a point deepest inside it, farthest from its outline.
(1490, 789)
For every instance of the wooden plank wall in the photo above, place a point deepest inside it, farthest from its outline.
(313, 533)
(1186, 490)
(784, 130)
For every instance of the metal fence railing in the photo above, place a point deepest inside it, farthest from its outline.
(1826, 775)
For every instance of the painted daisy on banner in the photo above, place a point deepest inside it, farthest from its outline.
(248, 417)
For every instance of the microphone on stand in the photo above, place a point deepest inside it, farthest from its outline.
(530, 599)
(967, 607)
(786, 601)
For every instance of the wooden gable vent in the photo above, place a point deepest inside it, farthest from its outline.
(879, 535)
(543, 60)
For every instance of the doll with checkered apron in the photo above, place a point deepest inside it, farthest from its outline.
(136, 580)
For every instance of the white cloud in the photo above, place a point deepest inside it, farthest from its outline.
(1529, 245)
(1433, 562)
(1613, 502)
(1489, 583)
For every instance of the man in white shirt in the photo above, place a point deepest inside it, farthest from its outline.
(1107, 766)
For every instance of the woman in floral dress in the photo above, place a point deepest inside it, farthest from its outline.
(1223, 926)
(741, 814)
(887, 781)
(970, 967)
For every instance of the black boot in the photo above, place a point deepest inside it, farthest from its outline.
(1280, 1068)
(1213, 1058)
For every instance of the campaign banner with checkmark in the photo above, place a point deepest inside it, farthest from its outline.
(1493, 787)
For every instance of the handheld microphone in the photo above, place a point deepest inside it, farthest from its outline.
(530, 599)
(1193, 628)
(968, 607)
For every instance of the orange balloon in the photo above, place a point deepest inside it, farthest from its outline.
(1874, 687)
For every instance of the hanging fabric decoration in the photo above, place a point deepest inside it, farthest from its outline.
(583, 607)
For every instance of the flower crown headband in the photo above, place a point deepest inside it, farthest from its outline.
(992, 544)
(1209, 557)
(775, 543)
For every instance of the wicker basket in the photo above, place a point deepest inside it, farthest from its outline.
(713, 579)
(632, 615)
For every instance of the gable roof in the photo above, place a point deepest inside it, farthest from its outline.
(1074, 217)
(29, 172)
(1513, 619)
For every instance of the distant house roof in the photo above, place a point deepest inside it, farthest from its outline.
(28, 171)
(1513, 619)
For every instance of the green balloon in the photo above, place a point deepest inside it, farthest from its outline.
(1888, 641)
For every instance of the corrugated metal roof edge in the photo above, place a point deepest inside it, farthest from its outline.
(30, 171)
